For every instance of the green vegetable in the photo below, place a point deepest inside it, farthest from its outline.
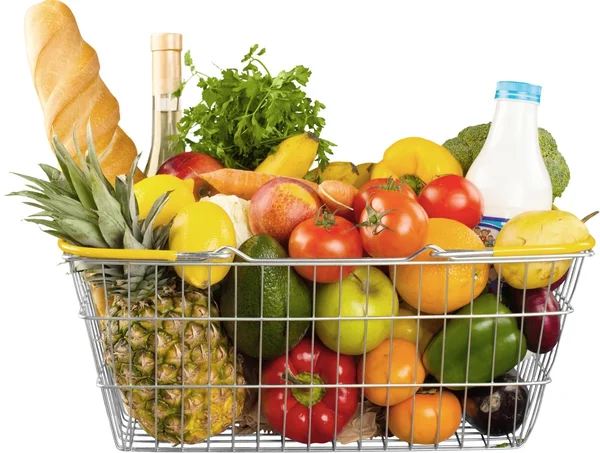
(467, 145)
(509, 340)
(244, 115)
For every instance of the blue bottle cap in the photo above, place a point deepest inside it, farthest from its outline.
(518, 90)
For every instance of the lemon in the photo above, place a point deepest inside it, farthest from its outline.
(202, 227)
(149, 189)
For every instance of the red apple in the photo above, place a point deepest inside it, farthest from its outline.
(192, 165)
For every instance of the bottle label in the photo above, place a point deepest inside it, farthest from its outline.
(488, 229)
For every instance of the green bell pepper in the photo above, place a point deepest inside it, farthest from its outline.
(509, 340)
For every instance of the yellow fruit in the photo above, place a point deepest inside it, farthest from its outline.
(449, 235)
(347, 172)
(202, 227)
(293, 156)
(148, 190)
(340, 171)
(355, 175)
(364, 174)
(552, 227)
(406, 329)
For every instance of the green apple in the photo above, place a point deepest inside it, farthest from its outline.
(382, 300)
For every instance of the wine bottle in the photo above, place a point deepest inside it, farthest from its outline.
(166, 108)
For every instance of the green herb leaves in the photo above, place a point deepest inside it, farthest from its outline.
(244, 115)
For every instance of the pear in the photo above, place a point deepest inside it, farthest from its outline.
(540, 228)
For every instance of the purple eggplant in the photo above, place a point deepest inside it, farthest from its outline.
(547, 325)
(503, 406)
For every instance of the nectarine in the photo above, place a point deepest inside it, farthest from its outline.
(279, 206)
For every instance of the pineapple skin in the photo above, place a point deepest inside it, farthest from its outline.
(159, 411)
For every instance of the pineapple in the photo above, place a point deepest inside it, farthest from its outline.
(79, 204)
(166, 361)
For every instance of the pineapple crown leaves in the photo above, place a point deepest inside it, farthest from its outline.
(78, 203)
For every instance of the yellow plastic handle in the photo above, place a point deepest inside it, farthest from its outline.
(117, 254)
(558, 249)
(172, 255)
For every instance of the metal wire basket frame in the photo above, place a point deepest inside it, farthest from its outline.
(533, 372)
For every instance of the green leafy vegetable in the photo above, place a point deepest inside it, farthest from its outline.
(244, 115)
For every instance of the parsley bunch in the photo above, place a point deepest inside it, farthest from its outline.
(244, 115)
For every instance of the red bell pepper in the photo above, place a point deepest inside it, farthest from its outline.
(299, 406)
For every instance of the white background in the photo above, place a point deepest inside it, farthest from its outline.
(384, 70)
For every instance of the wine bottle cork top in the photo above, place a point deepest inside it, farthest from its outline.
(166, 41)
(166, 63)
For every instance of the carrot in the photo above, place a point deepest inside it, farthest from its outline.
(338, 197)
(242, 183)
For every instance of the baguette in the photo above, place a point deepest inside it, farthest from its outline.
(65, 71)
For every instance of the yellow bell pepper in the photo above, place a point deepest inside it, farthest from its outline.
(417, 161)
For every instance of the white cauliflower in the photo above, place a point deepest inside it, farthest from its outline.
(237, 209)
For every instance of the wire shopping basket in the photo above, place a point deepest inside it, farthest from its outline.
(175, 374)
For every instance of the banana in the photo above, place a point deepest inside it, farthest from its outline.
(342, 171)
(364, 174)
(293, 156)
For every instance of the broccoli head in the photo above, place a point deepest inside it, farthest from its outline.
(467, 145)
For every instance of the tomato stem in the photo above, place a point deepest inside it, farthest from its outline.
(375, 218)
(392, 184)
(324, 219)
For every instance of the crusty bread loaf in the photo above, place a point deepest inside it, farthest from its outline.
(65, 72)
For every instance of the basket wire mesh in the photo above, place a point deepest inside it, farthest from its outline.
(533, 372)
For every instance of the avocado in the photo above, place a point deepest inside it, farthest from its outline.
(275, 301)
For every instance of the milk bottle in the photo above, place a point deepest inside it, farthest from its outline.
(509, 170)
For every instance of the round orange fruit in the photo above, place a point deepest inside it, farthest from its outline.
(394, 361)
(432, 417)
(464, 281)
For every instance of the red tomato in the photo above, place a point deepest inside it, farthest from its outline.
(326, 236)
(393, 225)
(376, 185)
(453, 197)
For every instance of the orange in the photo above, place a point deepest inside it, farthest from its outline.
(406, 367)
(429, 412)
(464, 281)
